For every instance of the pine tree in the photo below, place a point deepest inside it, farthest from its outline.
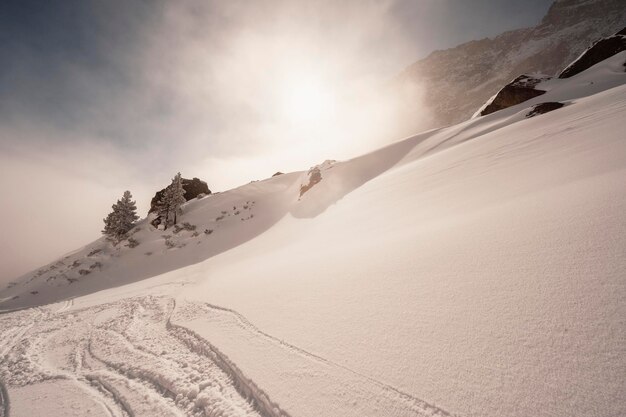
(169, 205)
(110, 224)
(127, 213)
(176, 196)
(162, 208)
(122, 218)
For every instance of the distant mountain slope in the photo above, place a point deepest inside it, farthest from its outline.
(459, 80)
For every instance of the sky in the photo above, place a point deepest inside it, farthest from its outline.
(97, 97)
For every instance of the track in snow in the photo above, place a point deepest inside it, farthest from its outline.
(126, 357)
(131, 359)
(4, 401)
(304, 372)
(67, 304)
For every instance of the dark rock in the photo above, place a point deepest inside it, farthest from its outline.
(517, 91)
(542, 108)
(599, 51)
(277, 174)
(193, 188)
(95, 265)
(315, 176)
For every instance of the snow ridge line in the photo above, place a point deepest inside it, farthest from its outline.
(133, 373)
(67, 304)
(425, 406)
(104, 386)
(246, 387)
(5, 406)
(98, 393)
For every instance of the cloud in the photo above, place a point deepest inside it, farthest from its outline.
(100, 97)
(104, 97)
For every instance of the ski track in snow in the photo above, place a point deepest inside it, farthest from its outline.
(67, 304)
(416, 405)
(10, 337)
(128, 358)
(4, 401)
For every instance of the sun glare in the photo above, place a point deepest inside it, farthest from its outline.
(307, 101)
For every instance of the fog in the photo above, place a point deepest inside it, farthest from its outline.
(98, 98)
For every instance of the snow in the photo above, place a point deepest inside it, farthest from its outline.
(54, 398)
(473, 270)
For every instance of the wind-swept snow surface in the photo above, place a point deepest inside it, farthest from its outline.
(477, 270)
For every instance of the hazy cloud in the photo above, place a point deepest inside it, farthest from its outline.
(99, 97)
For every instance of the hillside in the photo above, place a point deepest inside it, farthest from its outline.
(457, 81)
(472, 270)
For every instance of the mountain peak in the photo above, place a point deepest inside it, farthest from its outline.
(459, 80)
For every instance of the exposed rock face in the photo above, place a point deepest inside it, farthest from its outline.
(517, 91)
(192, 187)
(542, 108)
(277, 174)
(524, 87)
(599, 51)
(315, 176)
(459, 80)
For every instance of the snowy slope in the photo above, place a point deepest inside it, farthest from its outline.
(473, 270)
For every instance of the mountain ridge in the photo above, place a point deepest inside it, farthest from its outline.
(458, 80)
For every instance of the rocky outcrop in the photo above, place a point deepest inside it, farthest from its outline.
(524, 87)
(457, 81)
(517, 91)
(192, 187)
(315, 176)
(277, 174)
(599, 51)
(542, 108)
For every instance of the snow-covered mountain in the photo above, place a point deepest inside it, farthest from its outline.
(455, 82)
(472, 270)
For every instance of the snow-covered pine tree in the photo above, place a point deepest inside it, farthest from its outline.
(162, 207)
(110, 223)
(176, 196)
(127, 213)
(172, 198)
(122, 218)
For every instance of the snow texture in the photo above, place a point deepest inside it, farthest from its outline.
(474, 270)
